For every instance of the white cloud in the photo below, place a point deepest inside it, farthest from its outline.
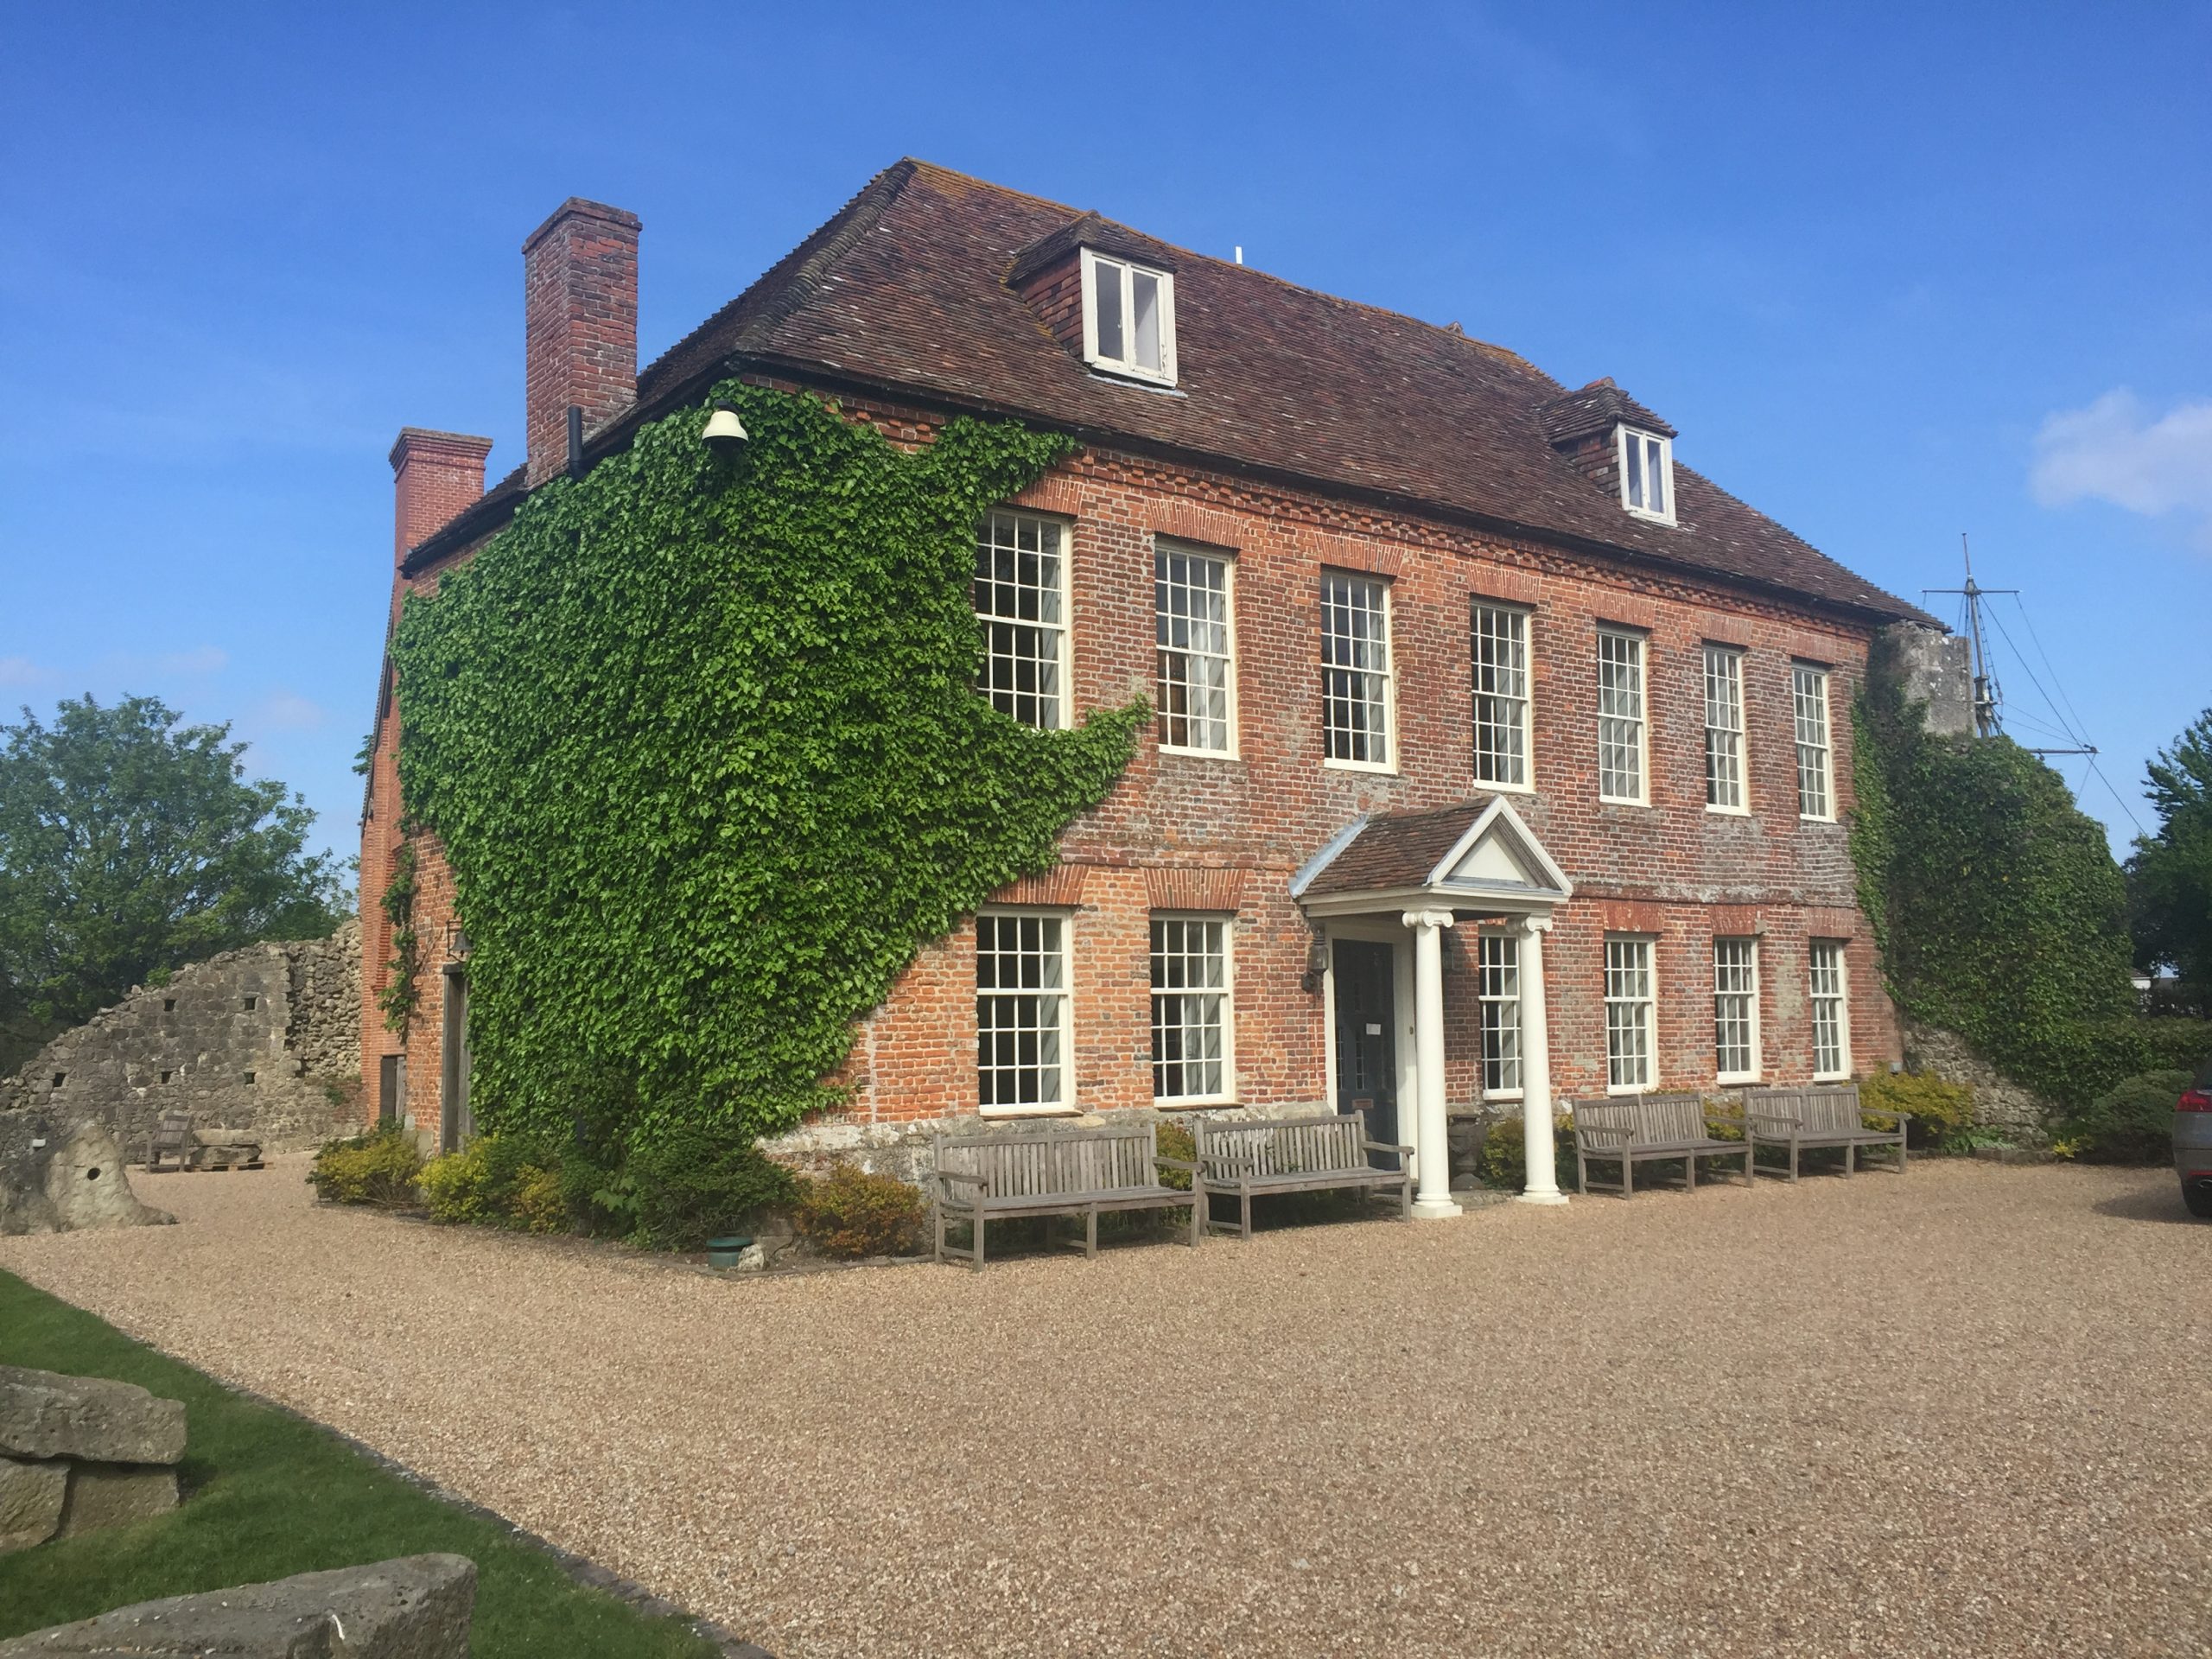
(285, 711)
(2114, 451)
(21, 671)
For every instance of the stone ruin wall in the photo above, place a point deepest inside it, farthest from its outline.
(266, 1038)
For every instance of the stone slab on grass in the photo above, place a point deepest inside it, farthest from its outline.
(415, 1607)
(45, 1414)
(110, 1494)
(31, 1499)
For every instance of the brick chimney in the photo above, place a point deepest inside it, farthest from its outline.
(434, 476)
(580, 322)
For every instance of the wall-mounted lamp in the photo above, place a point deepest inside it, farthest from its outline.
(725, 433)
(1317, 963)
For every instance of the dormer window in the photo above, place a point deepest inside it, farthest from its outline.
(1648, 474)
(1128, 319)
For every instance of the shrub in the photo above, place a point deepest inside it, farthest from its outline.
(2171, 1043)
(849, 1212)
(378, 1168)
(1942, 1113)
(1176, 1141)
(1504, 1160)
(692, 1184)
(2130, 1123)
(496, 1182)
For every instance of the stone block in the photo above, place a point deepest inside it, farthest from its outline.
(417, 1607)
(59, 1172)
(31, 1499)
(109, 1494)
(45, 1414)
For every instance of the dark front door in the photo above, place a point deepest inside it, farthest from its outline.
(1367, 1052)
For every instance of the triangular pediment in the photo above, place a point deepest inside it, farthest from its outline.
(1499, 855)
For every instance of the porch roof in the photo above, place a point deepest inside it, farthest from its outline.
(1473, 855)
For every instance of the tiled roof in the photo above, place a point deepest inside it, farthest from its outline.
(1598, 407)
(1396, 850)
(908, 289)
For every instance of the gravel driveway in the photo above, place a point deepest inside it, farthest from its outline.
(1967, 1412)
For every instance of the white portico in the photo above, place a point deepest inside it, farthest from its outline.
(1381, 894)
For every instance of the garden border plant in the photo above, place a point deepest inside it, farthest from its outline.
(700, 738)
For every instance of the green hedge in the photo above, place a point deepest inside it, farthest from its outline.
(701, 739)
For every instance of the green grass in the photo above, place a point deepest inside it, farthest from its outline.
(270, 1495)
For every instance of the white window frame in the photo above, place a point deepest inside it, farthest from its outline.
(1839, 996)
(1387, 673)
(1726, 740)
(1066, 992)
(1648, 1019)
(1634, 450)
(1821, 770)
(1640, 658)
(1504, 972)
(1162, 549)
(1102, 267)
(1063, 631)
(1523, 705)
(1226, 1094)
(1723, 989)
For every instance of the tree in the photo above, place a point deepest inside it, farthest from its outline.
(130, 846)
(2169, 873)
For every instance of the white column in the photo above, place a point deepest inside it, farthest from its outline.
(1432, 1153)
(1542, 1176)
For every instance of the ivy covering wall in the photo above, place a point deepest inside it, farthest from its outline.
(1996, 904)
(701, 737)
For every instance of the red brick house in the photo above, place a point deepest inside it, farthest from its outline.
(1499, 757)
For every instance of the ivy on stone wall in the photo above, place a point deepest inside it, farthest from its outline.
(1995, 902)
(700, 736)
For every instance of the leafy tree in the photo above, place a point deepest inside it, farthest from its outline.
(130, 846)
(2169, 873)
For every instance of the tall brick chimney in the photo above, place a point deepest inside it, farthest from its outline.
(580, 320)
(434, 476)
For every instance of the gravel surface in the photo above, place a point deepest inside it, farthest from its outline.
(1966, 1412)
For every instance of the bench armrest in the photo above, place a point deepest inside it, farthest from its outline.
(959, 1175)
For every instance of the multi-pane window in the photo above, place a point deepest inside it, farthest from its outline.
(1736, 1008)
(1128, 317)
(1831, 1016)
(1191, 1056)
(1021, 600)
(1497, 992)
(1816, 781)
(1630, 1037)
(1021, 1012)
(1355, 669)
(1501, 663)
(1646, 474)
(1197, 678)
(1620, 716)
(1724, 728)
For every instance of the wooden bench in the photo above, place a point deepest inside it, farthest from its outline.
(1053, 1171)
(1825, 1115)
(1250, 1158)
(1632, 1129)
(174, 1136)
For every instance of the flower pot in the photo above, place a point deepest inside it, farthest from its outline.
(725, 1252)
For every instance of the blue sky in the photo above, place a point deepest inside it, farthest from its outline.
(1893, 274)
